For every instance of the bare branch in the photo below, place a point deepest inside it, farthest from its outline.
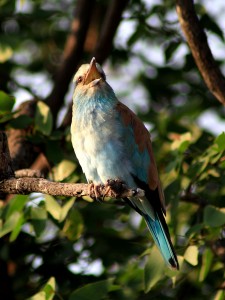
(28, 173)
(111, 22)
(22, 151)
(28, 185)
(201, 52)
(72, 54)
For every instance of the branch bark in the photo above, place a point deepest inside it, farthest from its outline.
(26, 185)
(197, 41)
(6, 169)
(104, 44)
(72, 54)
(111, 22)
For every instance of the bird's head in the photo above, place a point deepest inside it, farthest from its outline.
(89, 77)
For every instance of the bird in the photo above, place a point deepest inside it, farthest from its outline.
(112, 143)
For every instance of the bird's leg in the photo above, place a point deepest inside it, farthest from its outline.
(95, 187)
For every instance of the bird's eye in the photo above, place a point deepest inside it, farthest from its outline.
(79, 79)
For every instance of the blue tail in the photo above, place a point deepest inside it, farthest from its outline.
(160, 234)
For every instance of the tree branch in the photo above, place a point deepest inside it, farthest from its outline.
(111, 22)
(6, 169)
(72, 54)
(27, 185)
(201, 52)
(104, 44)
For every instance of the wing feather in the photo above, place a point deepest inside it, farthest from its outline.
(143, 141)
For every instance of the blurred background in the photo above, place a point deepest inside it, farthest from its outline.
(61, 248)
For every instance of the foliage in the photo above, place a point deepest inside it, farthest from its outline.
(57, 248)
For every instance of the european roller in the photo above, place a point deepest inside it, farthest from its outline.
(112, 143)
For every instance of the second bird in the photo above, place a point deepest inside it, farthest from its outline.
(112, 143)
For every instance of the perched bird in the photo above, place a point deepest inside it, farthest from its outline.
(112, 143)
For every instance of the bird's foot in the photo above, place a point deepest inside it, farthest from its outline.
(117, 186)
(96, 189)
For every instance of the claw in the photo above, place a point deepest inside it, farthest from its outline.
(116, 185)
(96, 188)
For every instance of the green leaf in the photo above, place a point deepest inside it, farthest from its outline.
(65, 209)
(210, 24)
(170, 49)
(97, 291)
(182, 142)
(6, 53)
(38, 219)
(220, 141)
(16, 204)
(58, 212)
(220, 295)
(207, 258)
(6, 102)
(39, 296)
(213, 216)
(74, 226)
(49, 289)
(21, 122)
(10, 223)
(191, 255)
(54, 151)
(154, 270)
(52, 207)
(47, 292)
(16, 230)
(43, 118)
(63, 169)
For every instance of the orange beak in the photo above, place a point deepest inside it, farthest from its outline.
(92, 72)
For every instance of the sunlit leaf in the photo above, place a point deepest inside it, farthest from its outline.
(57, 211)
(43, 118)
(220, 295)
(191, 255)
(47, 292)
(181, 141)
(16, 204)
(10, 223)
(220, 141)
(63, 169)
(207, 258)
(6, 102)
(39, 296)
(6, 53)
(49, 289)
(65, 209)
(16, 230)
(53, 207)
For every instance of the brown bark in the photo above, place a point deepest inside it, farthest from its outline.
(197, 41)
(6, 169)
(27, 185)
(22, 151)
(72, 54)
(109, 27)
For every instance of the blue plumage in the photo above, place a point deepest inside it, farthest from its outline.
(110, 142)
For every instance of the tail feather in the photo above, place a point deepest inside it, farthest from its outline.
(161, 237)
